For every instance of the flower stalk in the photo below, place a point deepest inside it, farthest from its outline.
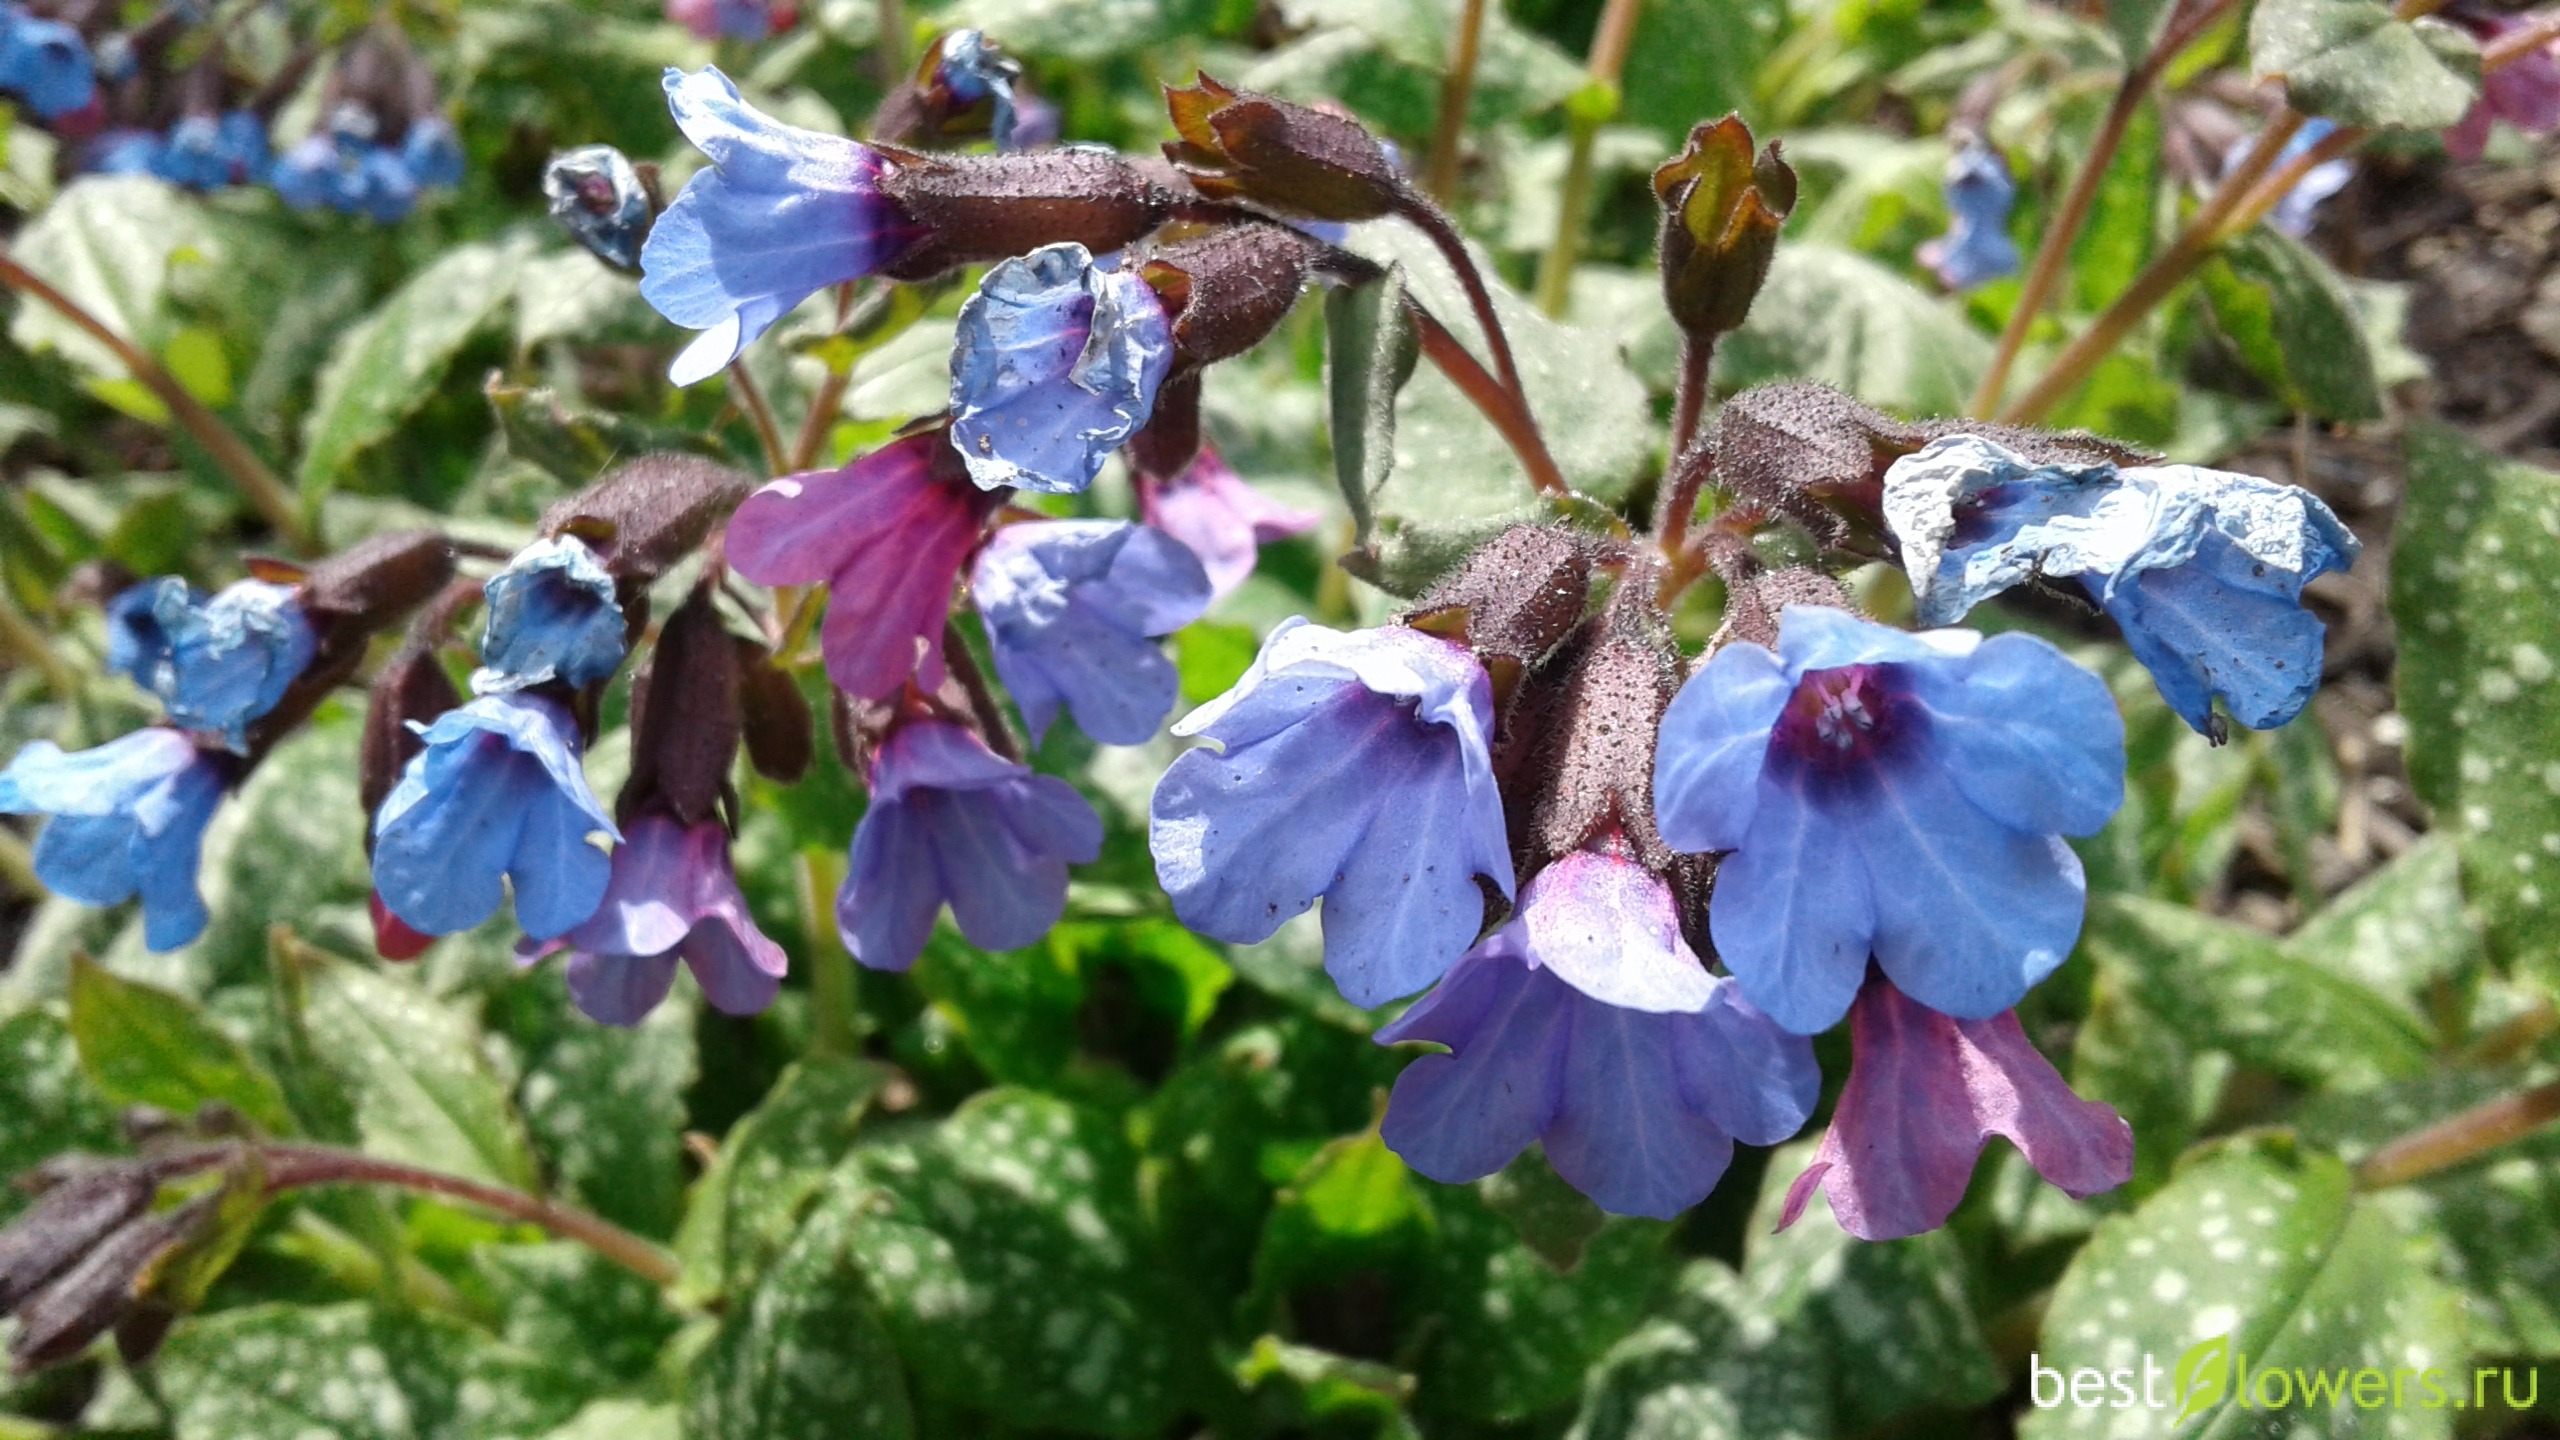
(1608, 59)
(760, 413)
(1457, 89)
(2459, 1138)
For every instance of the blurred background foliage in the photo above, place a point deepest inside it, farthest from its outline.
(1128, 1182)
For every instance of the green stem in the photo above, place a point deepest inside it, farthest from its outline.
(1457, 90)
(265, 491)
(751, 399)
(831, 1027)
(2456, 1139)
(18, 866)
(1608, 59)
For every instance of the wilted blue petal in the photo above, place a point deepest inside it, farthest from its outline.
(972, 70)
(779, 214)
(496, 793)
(1072, 608)
(552, 616)
(216, 664)
(1056, 363)
(596, 196)
(2202, 568)
(129, 819)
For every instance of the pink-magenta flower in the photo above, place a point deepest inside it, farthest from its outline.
(2525, 93)
(1224, 520)
(1926, 1092)
(888, 535)
(673, 897)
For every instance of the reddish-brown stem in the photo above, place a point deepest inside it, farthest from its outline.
(1690, 471)
(1501, 406)
(751, 399)
(2064, 229)
(265, 491)
(2455, 1139)
(1457, 90)
(292, 1167)
(1689, 405)
(1430, 221)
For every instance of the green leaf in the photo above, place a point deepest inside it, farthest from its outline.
(1370, 349)
(47, 1106)
(2256, 1249)
(1352, 1207)
(1694, 60)
(290, 843)
(1711, 1366)
(771, 1169)
(2136, 24)
(109, 242)
(575, 445)
(422, 1089)
(606, 1107)
(143, 1046)
(352, 1372)
(387, 365)
(2475, 593)
(1892, 1316)
(1320, 1385)
(806, 1357)
(2401, 929)
(2229, 988)
(2295, 325)
(594, 1318)
(2354, 62)
(1514, 1335)
(621, 1420)
(1836, 316)
(1009, 1255)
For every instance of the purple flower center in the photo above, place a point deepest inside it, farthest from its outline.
(1838, 720)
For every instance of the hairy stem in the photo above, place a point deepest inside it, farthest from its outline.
(292, 1167)
(1608, 58)
(1504, 408)
(2064, 229)
(2457, 1138)
(1457, 89)
(831, 1029)
(265, 491)
(1433, 223)
(1697, 357)
(750, 397)
(1690, 472)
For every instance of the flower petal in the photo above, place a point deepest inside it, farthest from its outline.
(1461, 1116)
(1793, 917)
(619, 989)
(1713, 741)
(2032, 738)
(1605, 926)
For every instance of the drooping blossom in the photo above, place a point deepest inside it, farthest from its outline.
(1352, 767)
(216, 663)
(952, 822)
(1072, 609)
(1056, 363)
(552, 616)
(673, 896)
(1588, 1023)
(596, 195)
(2299, 207)
(1926, 1092)
(2203, 569)
(200, 152)
(1222, 518)
(971, 70)
(2525, 92)
(497, 794)
(1889, 794)
(1980, 194)
(128, 819)
(344, 172)
(888, 534)
(779, 214)
(45, 63)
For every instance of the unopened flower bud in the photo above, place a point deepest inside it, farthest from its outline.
(101, 1289)
(412, 686)
(599, 198)
(64, 1223)
(1240, 145)
(780, 734)
(685, 721)
(1721, 213)
(1514, 599)
(1753, 602)
(646, 514)
(1230, 288)
(369, 585)
(981, 208)
(963, 89)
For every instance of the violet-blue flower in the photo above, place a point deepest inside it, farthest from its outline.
(973, 70)
(208, 152)
(1224, 520)
(552, 616)
(673, 897)
(1349, 766)
(596, 195)
(1926, 1092)
(128, 819)
(497, 794)
(779, 214)
(432, 153)
(2203, 569)
(1072, 609)
(45, 63)
(1589, 1024)
(217, 664)
(1976, 248)
(951, 821)
(1056, 364)
(341, 172)
(1889, 794)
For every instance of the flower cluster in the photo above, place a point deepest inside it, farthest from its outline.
(382, 140)
(46, 65)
